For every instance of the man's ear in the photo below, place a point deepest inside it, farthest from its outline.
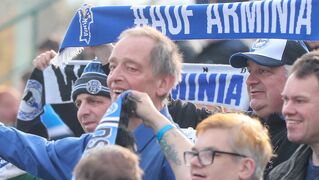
(164, 85)
(247, 168)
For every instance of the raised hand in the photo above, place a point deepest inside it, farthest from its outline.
(42, 61)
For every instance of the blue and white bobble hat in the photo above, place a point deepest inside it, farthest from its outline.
(92, 81)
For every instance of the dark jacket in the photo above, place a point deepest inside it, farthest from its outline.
(283, 148)
(295, 168)
(186, 114)
(219, 52)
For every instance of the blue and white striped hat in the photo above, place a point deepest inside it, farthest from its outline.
(92, 81)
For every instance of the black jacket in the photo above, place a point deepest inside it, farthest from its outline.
(186, 114)
(283, 148)
(295, 168)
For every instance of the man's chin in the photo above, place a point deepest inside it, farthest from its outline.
(260, 110)
(88, 129)
(256, 105)
(295, 139)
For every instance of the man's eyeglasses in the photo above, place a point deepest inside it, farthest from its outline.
(205, 157)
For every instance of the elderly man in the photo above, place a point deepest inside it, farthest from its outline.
(143, 59)
(301, 102)
(268, 63)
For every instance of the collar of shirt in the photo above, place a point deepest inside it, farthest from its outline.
(143, 134)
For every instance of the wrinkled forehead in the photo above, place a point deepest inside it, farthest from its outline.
(134, 42)
(134, 48)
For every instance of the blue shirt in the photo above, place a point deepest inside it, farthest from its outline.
(312, 171)
(56, 159)
(153, 161)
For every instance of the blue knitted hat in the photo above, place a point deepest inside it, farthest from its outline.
(92, 81)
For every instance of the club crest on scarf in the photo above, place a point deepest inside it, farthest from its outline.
(112, 109)
(85, 20)
(31, 104)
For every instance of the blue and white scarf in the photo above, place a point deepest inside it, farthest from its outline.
(280, 19)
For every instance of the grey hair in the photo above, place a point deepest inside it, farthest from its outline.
(165, 56)
(288, 69)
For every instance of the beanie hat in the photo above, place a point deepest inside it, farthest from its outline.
(92, 81)
(271, 53)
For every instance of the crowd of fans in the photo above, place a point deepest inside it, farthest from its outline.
(276, 140)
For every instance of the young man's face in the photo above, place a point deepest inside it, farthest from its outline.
(91, 110)
(224, 166)
(264, 86)
(301, 106)
(130, 68)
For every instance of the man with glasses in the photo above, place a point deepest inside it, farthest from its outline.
(228, 146)
(232, 143)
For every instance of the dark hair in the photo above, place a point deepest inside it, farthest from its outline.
(49, 44)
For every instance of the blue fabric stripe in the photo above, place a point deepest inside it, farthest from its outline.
(288, 19)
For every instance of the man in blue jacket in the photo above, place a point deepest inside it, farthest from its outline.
(143, 59)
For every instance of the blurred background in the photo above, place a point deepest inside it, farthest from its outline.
(23, 26)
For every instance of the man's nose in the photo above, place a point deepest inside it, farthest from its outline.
(288, 108)
(252, 79)
(195, 162)
(116, 74)
(83, 109)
